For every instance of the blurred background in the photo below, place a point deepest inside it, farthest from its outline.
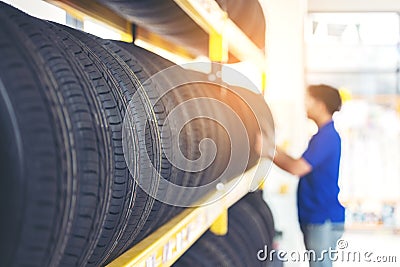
(353, 45)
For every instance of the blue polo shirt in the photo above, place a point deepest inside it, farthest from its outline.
(317, 193)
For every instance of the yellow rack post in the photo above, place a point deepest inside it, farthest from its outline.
(209, 16)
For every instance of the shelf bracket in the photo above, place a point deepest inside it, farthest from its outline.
(220, 225)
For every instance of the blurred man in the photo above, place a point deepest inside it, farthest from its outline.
(321, 216)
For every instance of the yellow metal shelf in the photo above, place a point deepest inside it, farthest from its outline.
(209, 16)
(169, 242)
(225, 33)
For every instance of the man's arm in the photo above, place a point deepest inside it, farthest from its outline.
(298, 167)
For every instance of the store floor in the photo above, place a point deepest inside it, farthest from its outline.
(363, 248)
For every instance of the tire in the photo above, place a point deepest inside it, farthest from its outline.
(130, 206)
(247, 234)
(257, 201)
(70, 195)
(164, 18)
(251, 227)
(153, 64)
(211, 250)
(61, 146)
(167, 19)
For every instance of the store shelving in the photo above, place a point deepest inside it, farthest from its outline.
(169, 242)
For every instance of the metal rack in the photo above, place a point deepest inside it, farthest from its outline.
(169, 242)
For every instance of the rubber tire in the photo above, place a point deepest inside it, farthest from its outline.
(61, 147)
(131, 206)
(247, 234)
(167, 19)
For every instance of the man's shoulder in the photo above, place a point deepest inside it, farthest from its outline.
(327, 134)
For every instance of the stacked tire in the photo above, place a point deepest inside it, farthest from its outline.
(250, 229)
(167, 19)
(69, 195)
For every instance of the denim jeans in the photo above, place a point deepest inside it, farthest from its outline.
(320, 237)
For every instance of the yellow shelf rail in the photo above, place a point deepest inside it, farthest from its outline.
(209, 16)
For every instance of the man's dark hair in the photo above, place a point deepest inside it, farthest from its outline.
(328, 95)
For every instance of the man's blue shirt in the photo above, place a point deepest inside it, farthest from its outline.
(317, 193)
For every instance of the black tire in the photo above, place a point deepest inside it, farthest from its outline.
(153, 64)
(167, 19)
(70, 197)
(248, 15)
(64, 150)
(130, 206)
(250, 227)
(256, 199)
(247, 234)
(211, 250)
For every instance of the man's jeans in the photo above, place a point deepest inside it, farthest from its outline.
(320, 237)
